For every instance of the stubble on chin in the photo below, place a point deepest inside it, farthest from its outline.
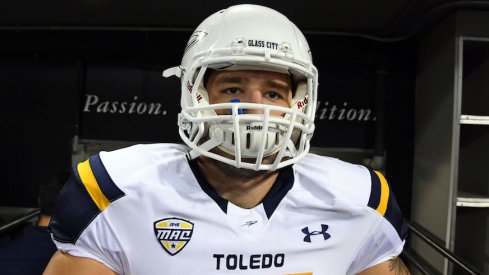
(234, 172)
(241, 173)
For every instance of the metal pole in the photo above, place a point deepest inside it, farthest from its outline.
(21, 220)
(421, 232)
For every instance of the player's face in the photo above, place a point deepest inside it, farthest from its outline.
(249, 86)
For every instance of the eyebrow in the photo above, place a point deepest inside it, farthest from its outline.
(231, 79)
(277, 84)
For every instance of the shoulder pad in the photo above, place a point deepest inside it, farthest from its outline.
(86, 194)
(383, 200)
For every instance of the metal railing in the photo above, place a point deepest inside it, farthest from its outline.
(19, 221)
(431, 240)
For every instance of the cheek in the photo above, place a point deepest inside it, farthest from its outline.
(278, 113)
(222, 112)
(215, 97)
(212, 97)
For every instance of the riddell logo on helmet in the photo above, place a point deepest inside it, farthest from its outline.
(250, 128)
(189, 86)
(199, 97)
(302, 103)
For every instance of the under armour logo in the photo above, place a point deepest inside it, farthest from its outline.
(323, 232)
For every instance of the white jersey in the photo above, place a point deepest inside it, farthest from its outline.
(146, 209)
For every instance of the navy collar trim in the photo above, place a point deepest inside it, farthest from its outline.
(280, 188)
(222, 203)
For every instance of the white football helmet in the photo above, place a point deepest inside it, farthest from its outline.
(247, 37)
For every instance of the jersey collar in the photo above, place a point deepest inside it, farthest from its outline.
(282, 185)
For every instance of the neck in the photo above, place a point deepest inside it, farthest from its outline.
(43, 220)
(242, 187)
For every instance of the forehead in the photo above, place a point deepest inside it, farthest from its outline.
(248, 76)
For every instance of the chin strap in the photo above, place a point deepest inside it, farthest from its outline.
(206, 146)
(215, 141)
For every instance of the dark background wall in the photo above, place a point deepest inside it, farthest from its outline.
(46, 78)
(57, 56)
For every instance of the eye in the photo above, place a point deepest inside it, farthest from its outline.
(272, 95)
(232, 91)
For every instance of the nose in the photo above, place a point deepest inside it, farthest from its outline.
(254, 96)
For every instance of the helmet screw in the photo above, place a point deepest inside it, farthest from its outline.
(285, 47)
(238, 46)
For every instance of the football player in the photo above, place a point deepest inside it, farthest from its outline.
(244, 195)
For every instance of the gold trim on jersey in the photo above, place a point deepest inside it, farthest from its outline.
(90, 182)
(384, 194)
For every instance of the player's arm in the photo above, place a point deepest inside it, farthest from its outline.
(86, 194)
(389, 236)
(63, 263)
(395, 266)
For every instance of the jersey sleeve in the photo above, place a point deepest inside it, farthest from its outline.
(78, 226)
(386, 239)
